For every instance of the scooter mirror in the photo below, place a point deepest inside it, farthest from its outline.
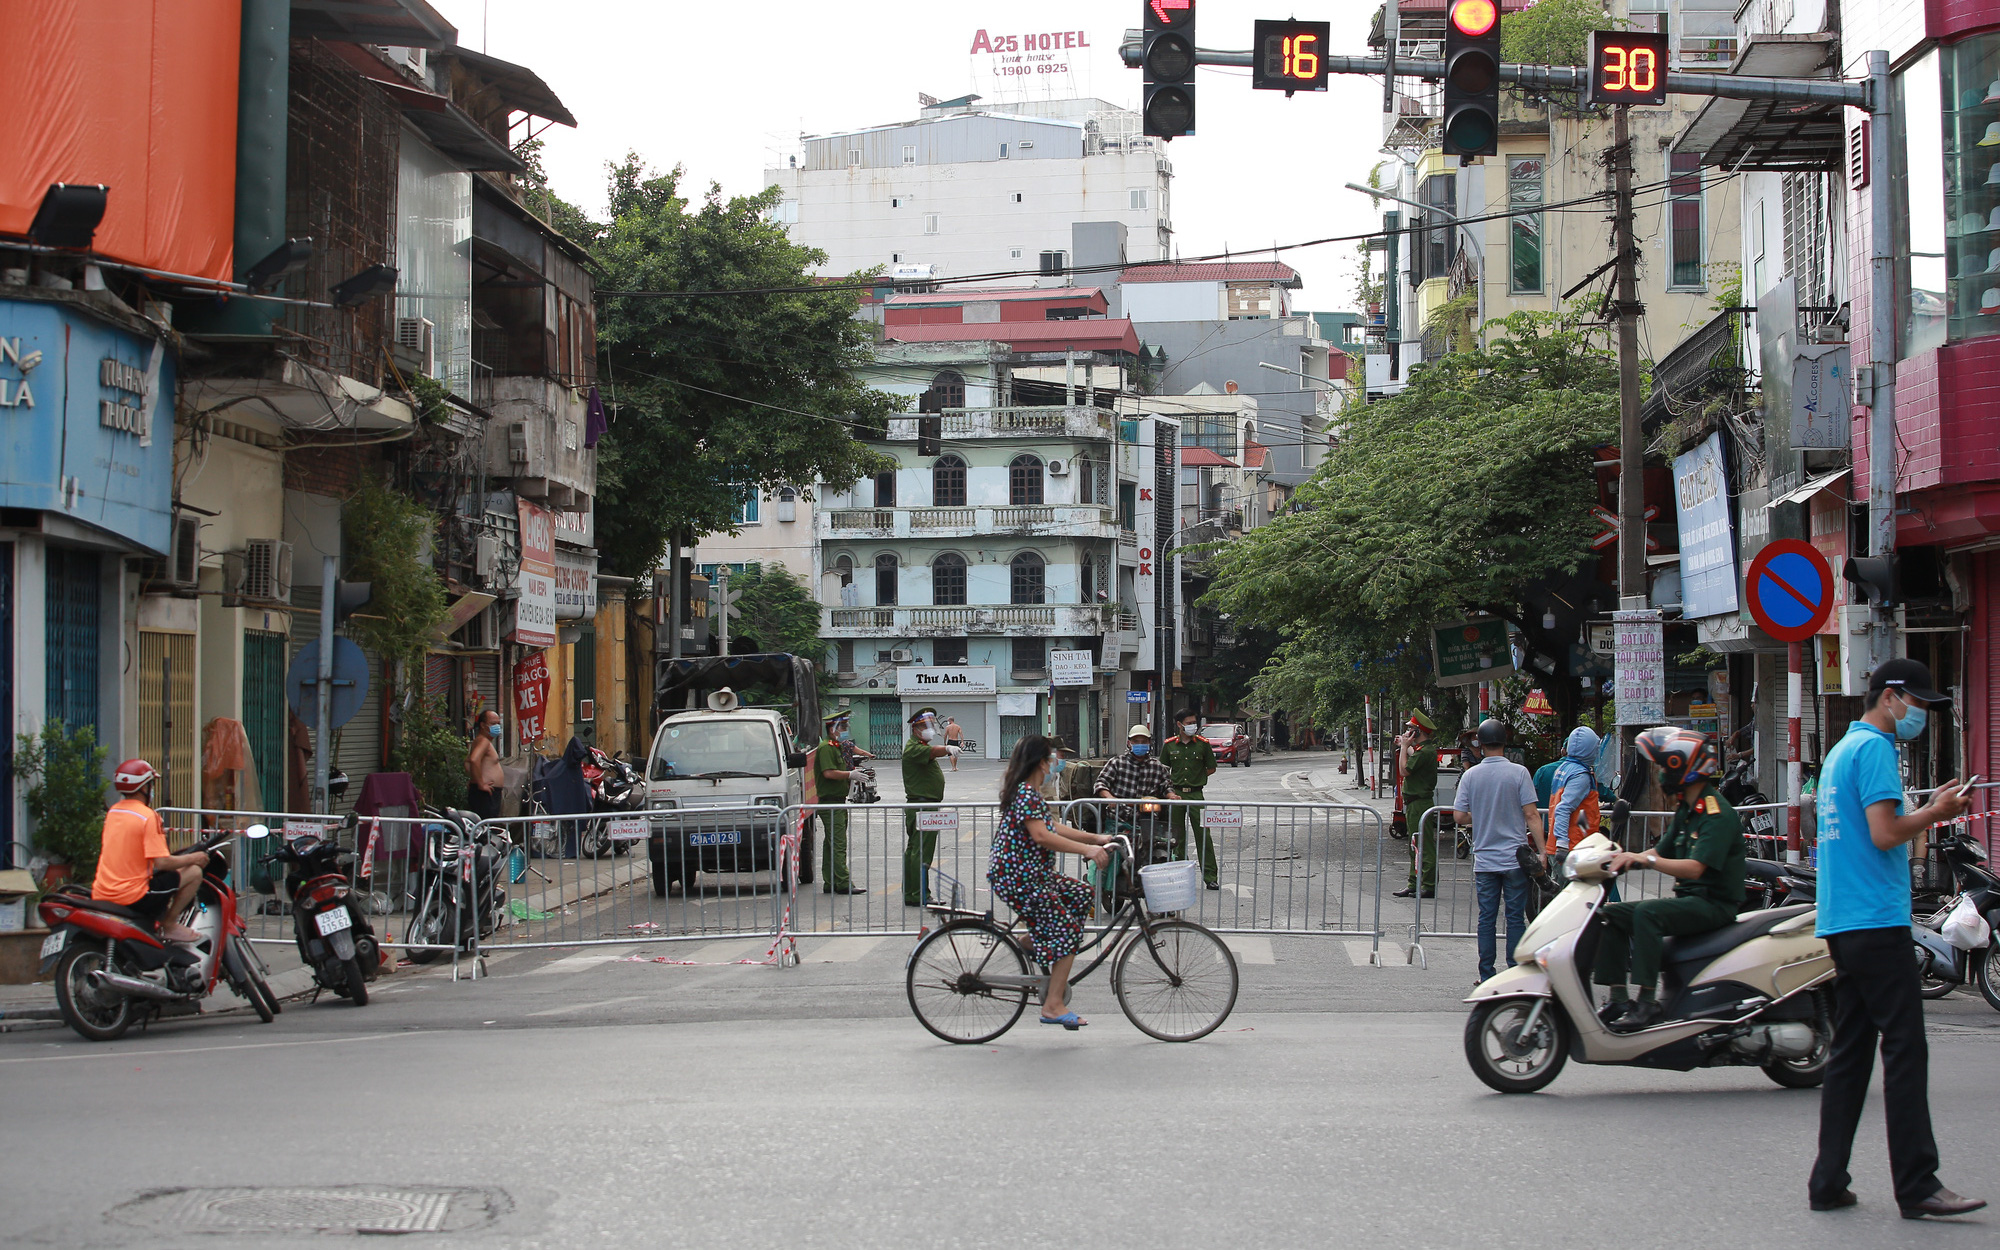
(257, 833)
(350, 822)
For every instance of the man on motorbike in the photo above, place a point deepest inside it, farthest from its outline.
(134, 867)
(1702, 850)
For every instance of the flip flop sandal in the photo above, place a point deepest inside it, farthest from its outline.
(1069, 1020)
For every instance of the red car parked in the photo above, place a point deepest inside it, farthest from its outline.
(1232, 745)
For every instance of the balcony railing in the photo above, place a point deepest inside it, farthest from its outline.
(890, 522)
(863, 618)
(1078, 421)
(993, 618)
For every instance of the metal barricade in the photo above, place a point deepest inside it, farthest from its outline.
(889, 849)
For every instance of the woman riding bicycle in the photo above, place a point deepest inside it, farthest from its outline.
(1023, 873)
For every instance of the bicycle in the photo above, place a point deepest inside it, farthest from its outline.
(968, 979)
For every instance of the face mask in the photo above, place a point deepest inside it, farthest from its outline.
(494, 730)
(928, 735)
(1055, 766)
(1187, 730)
(1911, 723)
(1140, 748)
(844, 735)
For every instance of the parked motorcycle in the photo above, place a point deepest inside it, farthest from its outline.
(458, 888)
(1739, 787)
(332, 931)
(112, 968)
(614, 787)
(1945, 967)
(1774, 883)
(1756, 993)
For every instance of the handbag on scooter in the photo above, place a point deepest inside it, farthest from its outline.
(1965, 928)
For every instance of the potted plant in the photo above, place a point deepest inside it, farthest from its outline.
(63, 770)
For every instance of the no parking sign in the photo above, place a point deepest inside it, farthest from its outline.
(1790, 589)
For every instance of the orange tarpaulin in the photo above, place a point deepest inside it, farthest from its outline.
(139, 95)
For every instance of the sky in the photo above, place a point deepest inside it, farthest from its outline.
(725, 91)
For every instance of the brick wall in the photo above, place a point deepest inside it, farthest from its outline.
(333, 471)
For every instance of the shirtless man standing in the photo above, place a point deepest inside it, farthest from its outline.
(482, 766)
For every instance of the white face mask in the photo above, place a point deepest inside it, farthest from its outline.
(928, 735)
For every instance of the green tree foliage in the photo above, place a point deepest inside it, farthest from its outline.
(570, 221)
(432, 750)
(1456, 495)
(64, 772)
(385, 533)
(718, 394)
(1552, 32)
(778, 614)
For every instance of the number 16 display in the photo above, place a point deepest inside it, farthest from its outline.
(1627, 67)
(1290, 56)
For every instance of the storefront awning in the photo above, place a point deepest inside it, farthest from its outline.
(1772, 134)
(1814, 487)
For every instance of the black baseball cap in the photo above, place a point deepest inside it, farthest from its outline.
(1910, 677)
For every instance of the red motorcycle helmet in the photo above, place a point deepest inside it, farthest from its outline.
(133, 776)
(1684, 756)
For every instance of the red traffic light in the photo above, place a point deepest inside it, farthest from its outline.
(1474, 17)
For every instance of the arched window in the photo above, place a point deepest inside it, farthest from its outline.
(950, 389)
(885, 580)
(843, 568)
(1024, 481)
(948, 482)
(1030, 578)
(948, 578)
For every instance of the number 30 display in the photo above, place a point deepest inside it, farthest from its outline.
(1627, 67)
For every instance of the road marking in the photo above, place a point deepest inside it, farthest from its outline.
(609, 1002)
(841, 950)
(579, 963)
(1250, 950)
(1393, 955)
(112, 1053)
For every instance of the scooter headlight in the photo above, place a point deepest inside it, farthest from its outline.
(1542, 956)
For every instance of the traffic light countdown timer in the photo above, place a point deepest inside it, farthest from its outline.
(1472, 78)
(1290, 56)
(1168, 65)
(1627, 67)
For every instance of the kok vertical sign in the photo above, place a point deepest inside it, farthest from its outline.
(531, 698)
(535, 610)
(1641, 665)
(1708, 547)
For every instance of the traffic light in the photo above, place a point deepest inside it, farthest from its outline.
(1168, 66)
(1472, 78)
(1873, 577)
(350, 597)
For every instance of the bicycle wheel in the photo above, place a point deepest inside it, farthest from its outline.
(1176, 984)
(945, 987)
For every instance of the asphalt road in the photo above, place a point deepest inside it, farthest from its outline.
(598, 1097)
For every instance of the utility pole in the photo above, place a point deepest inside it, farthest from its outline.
(1631, 451)
(329, 600)
(1882, 353)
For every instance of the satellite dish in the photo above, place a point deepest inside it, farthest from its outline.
(724, 700)
(350, 682)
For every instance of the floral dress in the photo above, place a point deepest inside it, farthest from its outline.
(1023, 874)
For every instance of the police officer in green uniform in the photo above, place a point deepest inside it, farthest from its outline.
(1417, 760)
(923, 782)
(1190, 762)
(834, 778)
(1702, 851)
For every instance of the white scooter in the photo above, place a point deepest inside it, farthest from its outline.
(1756, 993)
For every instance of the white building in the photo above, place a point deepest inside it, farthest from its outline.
(969, 190)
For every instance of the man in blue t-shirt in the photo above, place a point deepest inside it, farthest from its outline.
(1864, 915)
(1496, 797)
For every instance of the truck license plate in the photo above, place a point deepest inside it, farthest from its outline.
(53, 944)
(727, 837)
(331, 922)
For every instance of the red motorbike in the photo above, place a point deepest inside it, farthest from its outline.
(113, 968)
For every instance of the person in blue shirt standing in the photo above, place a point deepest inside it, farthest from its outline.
(1496, 797)
(1864, 915)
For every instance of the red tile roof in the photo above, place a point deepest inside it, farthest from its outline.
(1089, 335)
(1218, 271)
(1204, 458)
(1255, 454)
(957, 295)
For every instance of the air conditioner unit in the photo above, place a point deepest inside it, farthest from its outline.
(267, 571)
(481, 633)
(901, 656)
(1058, 468)
(416, 344)
(517, 443)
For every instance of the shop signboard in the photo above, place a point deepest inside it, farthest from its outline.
(535, 610)
(1070, 668)
(575, 582)
(926, 682)
(1640, 662)
(1468, 652)
(1708, 544)
(531, 698)
(1820, 382)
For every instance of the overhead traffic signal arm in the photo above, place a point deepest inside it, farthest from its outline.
(1472, 78)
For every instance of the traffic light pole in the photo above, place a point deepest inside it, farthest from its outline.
(1631, 438)
(329, 605)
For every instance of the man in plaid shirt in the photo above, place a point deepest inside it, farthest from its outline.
(1138, 774)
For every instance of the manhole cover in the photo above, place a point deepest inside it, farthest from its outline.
(320, 1209)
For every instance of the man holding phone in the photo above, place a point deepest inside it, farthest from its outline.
(1864, 915)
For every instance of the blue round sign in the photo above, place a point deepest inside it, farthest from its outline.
(1790, 589)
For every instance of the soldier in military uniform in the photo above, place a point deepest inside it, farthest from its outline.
(923, 782)
(1190, 762)
(1417, 761)
(834, 777)
(1702, 850)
